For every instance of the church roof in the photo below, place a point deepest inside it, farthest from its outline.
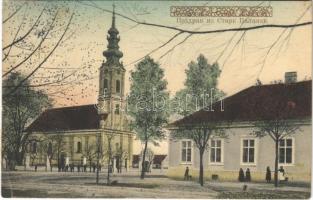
(264, 102)
(67, 118)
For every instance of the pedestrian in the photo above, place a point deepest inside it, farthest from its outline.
(282, 174)
(117, 165)
(186, 176)
(248, 175)
(268, 176)
(241, 177)
(35, 168)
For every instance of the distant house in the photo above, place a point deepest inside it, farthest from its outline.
(157, 162)
(243, 150)
(135, 163)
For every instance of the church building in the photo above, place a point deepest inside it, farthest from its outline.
(78, 135)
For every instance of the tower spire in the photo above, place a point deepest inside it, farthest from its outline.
(113, 54)
(113, 16)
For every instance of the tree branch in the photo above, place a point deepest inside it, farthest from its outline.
(26, 34)
(32, 53)
(46, 58)
(16, 11)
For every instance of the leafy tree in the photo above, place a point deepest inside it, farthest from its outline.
(200, 88)
(200, 92)
(19, 108)
(147, 100)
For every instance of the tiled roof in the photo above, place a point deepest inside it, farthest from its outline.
(264, 102)
(67, 118)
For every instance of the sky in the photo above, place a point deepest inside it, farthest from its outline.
(243, 62)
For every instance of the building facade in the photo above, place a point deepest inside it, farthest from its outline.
(75, 135)
(241, 148)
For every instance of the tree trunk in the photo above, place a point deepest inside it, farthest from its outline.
(98, 158)
(108, 177)
(142, 176)
(276, 163)
(90, 165)
(201, 168)
(59, 169)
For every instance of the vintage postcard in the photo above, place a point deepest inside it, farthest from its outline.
(156, 99)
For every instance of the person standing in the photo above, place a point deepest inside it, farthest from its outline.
(241, 176)
(186, 176)
(248, 175)
(268, 176)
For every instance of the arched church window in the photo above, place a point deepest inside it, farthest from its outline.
(34, 147)
(118, 86)
(79, 147)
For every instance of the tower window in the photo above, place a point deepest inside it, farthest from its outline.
(118, 86)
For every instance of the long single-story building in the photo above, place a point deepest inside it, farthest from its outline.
(242, 149)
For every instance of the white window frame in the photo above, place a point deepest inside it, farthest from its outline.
(181, 149)
(293, 152)
(222, 152)
(255, 151)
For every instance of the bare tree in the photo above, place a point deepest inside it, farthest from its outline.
(149, 156)
(55, 145)
(31, 45)
(200, 134)
(91, 154)
(276, 118)
(108, 153)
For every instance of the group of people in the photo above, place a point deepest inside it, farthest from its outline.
(244, 176)
(79, 168)
(281, 174)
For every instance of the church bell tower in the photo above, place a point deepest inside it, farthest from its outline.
(111, 85)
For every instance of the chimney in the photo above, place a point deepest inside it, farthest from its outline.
(290, 77)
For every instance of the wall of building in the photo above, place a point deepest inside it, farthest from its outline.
(228, 169)
(87, 139)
